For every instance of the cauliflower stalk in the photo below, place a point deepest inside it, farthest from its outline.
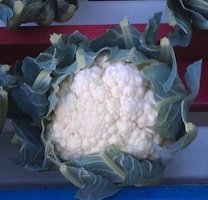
(108, 113)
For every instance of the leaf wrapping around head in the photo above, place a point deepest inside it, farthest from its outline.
(168, 122)
(31, 102)
(92, 187)
(192, 78)
(31, 147)
(97, 177)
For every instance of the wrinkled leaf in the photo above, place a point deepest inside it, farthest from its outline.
(31, 147)
(168, 121)
(198, 11)
(192, 78)
(31, 102)
(180, 20)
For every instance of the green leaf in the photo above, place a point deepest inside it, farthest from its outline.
(31, 102)
(65, 10)
(31, 147)
(97, 165)
(125, 36)
(47, 14)
(132, 56)
(192, 78)
(5, 13)
(92, 187)
(7, 79)
(134, 172)
(99, 187)
(198, 11)
(168, 122)
(181, 21)
(64, 40)
(42, 82)
(199, 6)
(15, 13)
(141, 172)
(27, 70)
(149, 35)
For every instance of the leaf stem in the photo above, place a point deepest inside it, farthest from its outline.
(117, 169)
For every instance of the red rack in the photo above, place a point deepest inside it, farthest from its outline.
(30, 41)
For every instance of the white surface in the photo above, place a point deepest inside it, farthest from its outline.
(111, 12)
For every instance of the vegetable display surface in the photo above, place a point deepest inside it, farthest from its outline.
(109, 113)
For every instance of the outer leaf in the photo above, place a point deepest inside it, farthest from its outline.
(95, 183)
(125, 36)
(133, 171)
(65, 10)
(98, 186)
(198, 10)
(5, 13)
(200, 6)
(168, 122)
(32, 148)
(31, 102)
(192, 77)
(141, 173)
(181, 21)
(64, 40)
(7, 80)
(28, 14)
(27, 70)
(97, 165)
(149, 35)
(132, 56)
(15, 13)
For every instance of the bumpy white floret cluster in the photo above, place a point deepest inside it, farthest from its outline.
(107, 104)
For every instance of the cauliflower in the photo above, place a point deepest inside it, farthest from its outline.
(108, 113)
(107, 104)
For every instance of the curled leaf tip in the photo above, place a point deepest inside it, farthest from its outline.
(165, 42)
(54, 38)
(124, 21)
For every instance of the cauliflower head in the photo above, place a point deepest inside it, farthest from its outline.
(107, 104)
(108, 113)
